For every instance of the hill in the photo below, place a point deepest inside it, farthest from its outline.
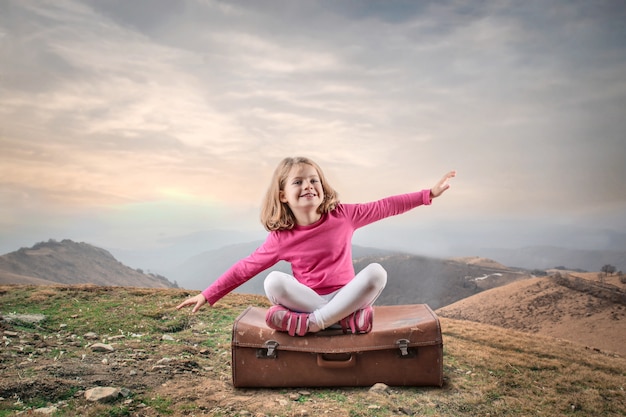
(438, 282)
(158, 361)
(574, 306)
(69, 262)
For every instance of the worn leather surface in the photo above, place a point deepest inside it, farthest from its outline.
(404, 348)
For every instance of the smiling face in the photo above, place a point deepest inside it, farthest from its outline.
(303, 193)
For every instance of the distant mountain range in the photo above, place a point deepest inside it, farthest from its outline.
(412, 278)
(69, 262)
(170, 256)
(545, 257)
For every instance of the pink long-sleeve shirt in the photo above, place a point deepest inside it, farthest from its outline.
(321, 253)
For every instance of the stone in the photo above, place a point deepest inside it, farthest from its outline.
(102, 394)
(379, 388)
(46, 410)
(102, 347)
(27, 318)
(90, 336)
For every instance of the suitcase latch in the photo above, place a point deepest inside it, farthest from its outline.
(269, 351)
(403, 345)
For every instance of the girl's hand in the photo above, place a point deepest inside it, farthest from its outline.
(198, 300)
(442, 185)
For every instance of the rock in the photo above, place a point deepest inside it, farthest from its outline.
(407, 411)
(90, 336)
(102, 394)
(102, 347)
(380, 388)
(46, 410)
(167, 337)
(27, 318)
(8, 333)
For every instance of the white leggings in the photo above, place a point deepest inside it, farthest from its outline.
(362, 291)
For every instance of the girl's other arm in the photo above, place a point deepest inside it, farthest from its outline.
(442, 185)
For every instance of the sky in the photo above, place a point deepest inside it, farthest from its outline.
(128, 124)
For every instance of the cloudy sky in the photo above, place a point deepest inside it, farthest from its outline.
(128, 123)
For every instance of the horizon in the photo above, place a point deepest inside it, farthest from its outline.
(126, 125)
(201, 247)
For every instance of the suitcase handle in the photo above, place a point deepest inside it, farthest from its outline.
(322, 362)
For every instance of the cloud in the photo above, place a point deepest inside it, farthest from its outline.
(109, 104)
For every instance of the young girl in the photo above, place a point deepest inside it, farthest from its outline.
(313, 231)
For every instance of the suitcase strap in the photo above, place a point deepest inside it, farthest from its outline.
(269, 351)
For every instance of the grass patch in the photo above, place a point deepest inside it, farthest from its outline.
(160, 404)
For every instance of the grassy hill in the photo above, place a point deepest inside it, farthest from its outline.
(167, 362)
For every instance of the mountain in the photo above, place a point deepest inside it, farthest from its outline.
(437, 282)
(572, 306)
(201, 270)
(544, 257)
(169, 252)
(69, 262)
(411, 278)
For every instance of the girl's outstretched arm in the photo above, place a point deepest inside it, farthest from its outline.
(197, 301)
(442, 185)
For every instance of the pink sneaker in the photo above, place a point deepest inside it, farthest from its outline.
(291, 322)
(360, 321)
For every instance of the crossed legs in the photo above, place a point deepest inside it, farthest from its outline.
(283, 289)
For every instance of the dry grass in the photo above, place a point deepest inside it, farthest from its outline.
(488, 371)
(512, 373)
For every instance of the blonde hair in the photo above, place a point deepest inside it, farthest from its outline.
(276, 215)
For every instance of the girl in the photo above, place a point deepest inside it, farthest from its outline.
(313, 231)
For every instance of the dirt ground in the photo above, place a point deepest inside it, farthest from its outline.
(183, 373)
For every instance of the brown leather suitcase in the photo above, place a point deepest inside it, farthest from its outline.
(404, 348)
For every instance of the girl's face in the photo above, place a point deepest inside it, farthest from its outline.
(303, 189)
